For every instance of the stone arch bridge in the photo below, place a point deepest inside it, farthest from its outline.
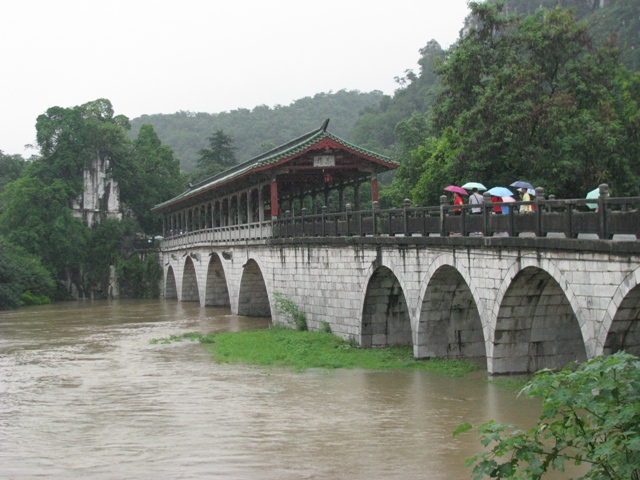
(516, 304)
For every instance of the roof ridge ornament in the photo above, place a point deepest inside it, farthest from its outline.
(325, 125)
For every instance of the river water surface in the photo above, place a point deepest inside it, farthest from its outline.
(85, 394)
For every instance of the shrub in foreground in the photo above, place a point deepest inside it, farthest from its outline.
(591, 416)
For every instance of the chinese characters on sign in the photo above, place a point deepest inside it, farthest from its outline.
(324, 161)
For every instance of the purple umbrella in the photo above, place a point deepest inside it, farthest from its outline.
(520, 184)
(456, 189)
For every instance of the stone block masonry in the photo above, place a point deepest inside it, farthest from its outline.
(518, 304)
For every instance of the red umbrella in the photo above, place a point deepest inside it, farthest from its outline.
(456, 189)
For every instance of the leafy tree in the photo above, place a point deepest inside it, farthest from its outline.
(20, 273)
(253, 130)
(71, 138)
(617, 19)
(532, 98)
(104, 249)
(220, 155)
(140, 276)
(376, 128)
(35, 210)
(148, 175)
(36, 216)
(411, 133)
(591, 416)
(11, 167)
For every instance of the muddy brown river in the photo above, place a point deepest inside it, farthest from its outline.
(84, 394)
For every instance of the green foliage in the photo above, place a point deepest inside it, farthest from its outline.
(35, 209)
(192, 336)
(20, 273)
(149, 174)
(220, 156)
(377, 128)
(617, 19)
(103, 249)
(36, 217)
(285, 347)
(294, 316)
(71, 138)
(28, 298)
(140, 276)
(11, 167)
(531, 98)
(591, 416)
(257, 129)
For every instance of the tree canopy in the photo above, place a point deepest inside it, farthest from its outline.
(219, 156)
(36, 204)
(254, 130)
(529, 98)
(589, 417)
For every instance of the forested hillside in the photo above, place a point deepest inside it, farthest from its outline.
(416, 93)
(257, 130)
(46, 250)
(606, 19)
(528, 97)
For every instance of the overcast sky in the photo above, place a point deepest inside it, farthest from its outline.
(162, 56)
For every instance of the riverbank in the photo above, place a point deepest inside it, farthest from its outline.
(301, 350)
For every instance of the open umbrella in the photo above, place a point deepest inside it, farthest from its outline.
(500, 192)
(455, 189)
(531, 192)
(505, 209)
(472, 185)
(520, 184)
(595, 193)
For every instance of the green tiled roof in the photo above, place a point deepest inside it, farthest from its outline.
(282, 152)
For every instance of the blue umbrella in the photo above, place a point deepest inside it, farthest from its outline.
(520, 184)
(500, 192)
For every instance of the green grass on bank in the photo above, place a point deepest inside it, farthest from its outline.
(301, 350)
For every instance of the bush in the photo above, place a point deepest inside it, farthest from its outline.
(21, 272)
(591, 416)
(28, 298)
(294, 317)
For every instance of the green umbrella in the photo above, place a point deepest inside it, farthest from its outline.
(472, 185)
(595, 193)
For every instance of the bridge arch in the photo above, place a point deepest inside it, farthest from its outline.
(253, 297)
(216, 291)
(170, 286)
(620, 328)
(449, 318)
(190, 291)
(538, 323)
(386, 319)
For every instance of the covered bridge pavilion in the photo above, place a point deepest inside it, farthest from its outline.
(241, 202)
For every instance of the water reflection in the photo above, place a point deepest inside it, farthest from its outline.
(83, 393)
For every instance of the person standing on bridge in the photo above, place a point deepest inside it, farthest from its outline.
(457, 200)
(524, 197)
(476, 199)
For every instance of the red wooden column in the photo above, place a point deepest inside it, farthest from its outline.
(374, 187)
(274, 198)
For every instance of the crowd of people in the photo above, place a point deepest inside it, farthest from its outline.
(475, 198)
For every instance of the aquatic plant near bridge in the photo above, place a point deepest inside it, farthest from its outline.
(293, 315)
(590, 417)
(285, 347)
(278, 346)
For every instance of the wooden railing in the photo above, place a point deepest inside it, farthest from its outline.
(231, 233)
(603, 216)
(612, 216)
